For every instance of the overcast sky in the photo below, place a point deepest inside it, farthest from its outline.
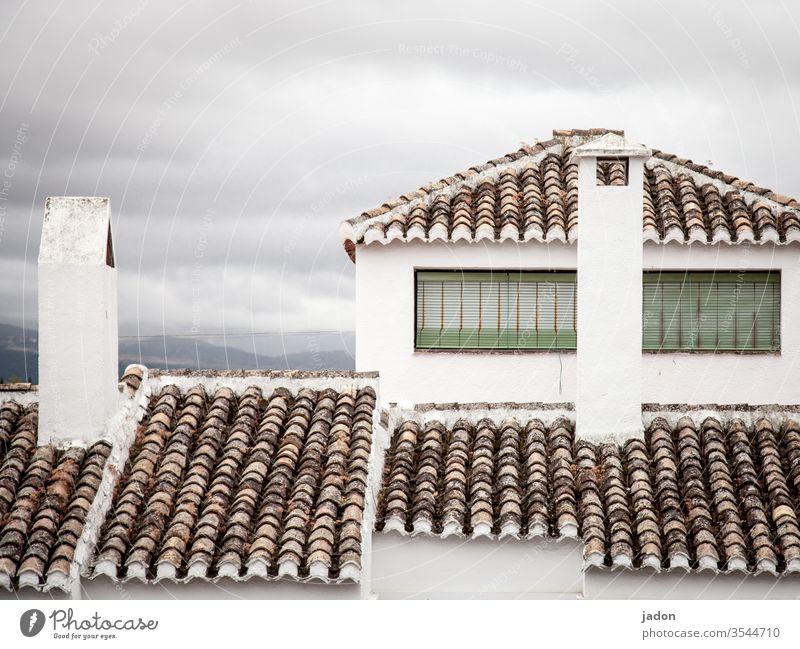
(233, 138)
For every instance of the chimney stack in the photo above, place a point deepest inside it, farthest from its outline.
(77, 320)
(609, 293)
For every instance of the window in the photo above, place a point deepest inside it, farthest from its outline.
(711, 311)
(495, 310)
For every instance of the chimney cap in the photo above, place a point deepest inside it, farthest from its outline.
(584, 134)
(612, 145)
(76, 230)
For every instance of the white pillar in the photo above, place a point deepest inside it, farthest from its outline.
(609, 323)
(77, 320)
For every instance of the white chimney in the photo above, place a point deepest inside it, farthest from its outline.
(77, 320)
(609, 322)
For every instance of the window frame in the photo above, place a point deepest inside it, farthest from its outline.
(464, 274)
(676, 276)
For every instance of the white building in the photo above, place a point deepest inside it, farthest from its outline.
(520, 213)
(570, 283)
(545, 405)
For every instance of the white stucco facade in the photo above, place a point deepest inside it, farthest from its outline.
(103, 588)
(385, 330)
(424, 567)
(385, 327)
(78, 340)
(680, 584)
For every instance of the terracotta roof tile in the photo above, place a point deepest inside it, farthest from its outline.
(533, 194)
(707, 496)
(45, 495)
(226, 485)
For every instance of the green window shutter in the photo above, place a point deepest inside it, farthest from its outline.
(527, 322)
(745, 315)
(671, 316)
(507, 335)
(489, 315)
(429, 314)
(451, 315)
(495, 310)
(566, 337)
(471, 304)
(767, 321)
(725, 314)
(651, 316)
(707, 325)
(546, 315)
(711, 311)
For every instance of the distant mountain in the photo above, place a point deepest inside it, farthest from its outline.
(173, 352)
(19, 357)
(12, 331)
(17, 346)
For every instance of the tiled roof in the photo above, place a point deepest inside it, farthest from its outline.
(256, 484)
(532, 194)
(45, 495)
(696, 496)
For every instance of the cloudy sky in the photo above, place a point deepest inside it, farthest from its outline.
(233, 138)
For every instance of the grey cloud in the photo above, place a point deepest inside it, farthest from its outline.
(283, 119)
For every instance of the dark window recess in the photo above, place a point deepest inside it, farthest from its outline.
(495, 310)
(612, 171)
(712, 311)
(109, 249)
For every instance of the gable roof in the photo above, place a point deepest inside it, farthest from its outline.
(532, 194)
(263, 483)
(713, 495)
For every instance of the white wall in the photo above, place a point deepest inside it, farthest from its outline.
(78, 343)
(385, 330)
(77, 351)
(433, 568)
(424, 567)
(609, 365)
(729, 378)
(678, 584)
(32, 594)
(104, 588)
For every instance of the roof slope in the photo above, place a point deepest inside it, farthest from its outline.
(710, 496)
(255, 484)
(45, 496)
(532, 194)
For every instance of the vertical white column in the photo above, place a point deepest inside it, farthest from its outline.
(609, 293)
(78, 340)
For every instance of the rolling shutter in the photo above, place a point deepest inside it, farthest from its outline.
(711, 311)
(495, 310)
